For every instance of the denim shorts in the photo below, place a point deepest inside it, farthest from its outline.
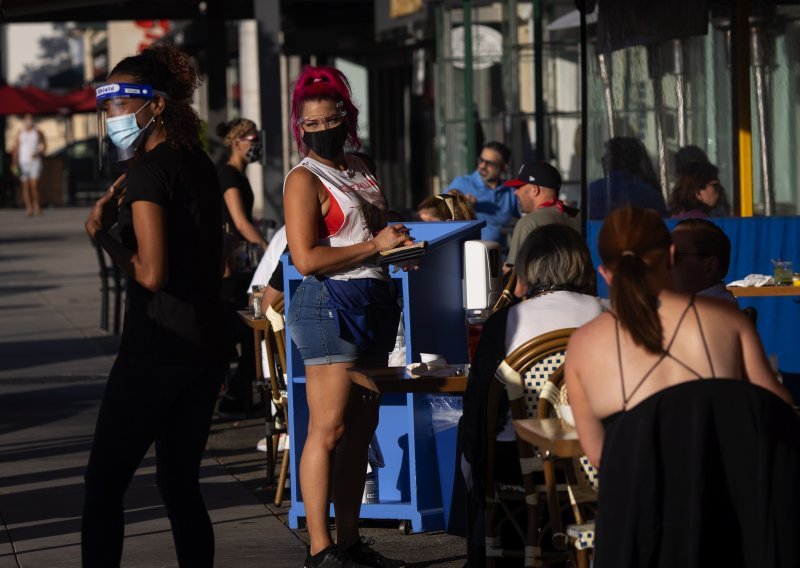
(310, 319)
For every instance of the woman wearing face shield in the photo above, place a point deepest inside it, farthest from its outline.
(344, 314)
(164, 382)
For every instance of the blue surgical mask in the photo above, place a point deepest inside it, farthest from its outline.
(124, 130)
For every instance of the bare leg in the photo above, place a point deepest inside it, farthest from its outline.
(37, 208)
(26, 196)
(328, 393)
(350, 466)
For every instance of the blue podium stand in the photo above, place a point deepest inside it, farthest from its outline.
(433, 313)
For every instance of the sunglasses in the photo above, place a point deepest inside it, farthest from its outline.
(250, 138)
(491, 164)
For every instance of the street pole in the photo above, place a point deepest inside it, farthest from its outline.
(469, 118)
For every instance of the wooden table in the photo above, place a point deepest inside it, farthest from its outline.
(550, 435)
(764, 291)
(259, 327)
(397, 380)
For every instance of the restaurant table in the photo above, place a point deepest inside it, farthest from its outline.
(764, 291)
(550, 435)
(397, 380)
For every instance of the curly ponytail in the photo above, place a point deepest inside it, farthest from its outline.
(633, 244)
(167, 69)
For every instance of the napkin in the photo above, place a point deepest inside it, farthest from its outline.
(754, 280)
(435, 368)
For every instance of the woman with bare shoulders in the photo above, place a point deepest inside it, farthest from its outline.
(675, 402)
(344, 314)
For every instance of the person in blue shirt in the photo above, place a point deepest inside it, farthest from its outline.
(493, 202)
(629, 180)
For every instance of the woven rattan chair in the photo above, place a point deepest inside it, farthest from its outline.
(581, 479)
(275, 344)
(522, 375)
(507, 296)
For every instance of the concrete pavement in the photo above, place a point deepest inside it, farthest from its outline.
(53, 362)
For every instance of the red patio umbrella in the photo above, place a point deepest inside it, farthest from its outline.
(16, 100)
(82, 100)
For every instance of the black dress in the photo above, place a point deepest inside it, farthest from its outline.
(231, 177)
(703, 473)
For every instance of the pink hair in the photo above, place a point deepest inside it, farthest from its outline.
(323, 83)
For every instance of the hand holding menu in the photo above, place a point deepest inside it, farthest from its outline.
(402, 254)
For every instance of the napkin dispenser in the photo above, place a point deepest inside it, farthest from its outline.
(483, 274)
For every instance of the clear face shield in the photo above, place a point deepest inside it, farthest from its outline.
(118, 131)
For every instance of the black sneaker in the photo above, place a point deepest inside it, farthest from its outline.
(331, 557)
(363, 554)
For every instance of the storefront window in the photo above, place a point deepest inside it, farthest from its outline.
(651, 107)
(504, 87)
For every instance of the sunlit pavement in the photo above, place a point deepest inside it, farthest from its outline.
(54, 358)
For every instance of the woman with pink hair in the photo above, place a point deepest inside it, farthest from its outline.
(345, 312)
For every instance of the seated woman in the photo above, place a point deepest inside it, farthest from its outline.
(697, 192)
(692, 472)
(450, 206)
(558, 284)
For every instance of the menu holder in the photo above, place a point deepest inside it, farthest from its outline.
(402, 254)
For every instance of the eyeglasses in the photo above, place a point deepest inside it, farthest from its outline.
(314, 123)
(491, 164)
(250, 138)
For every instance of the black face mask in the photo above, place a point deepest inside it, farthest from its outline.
(327, 143)
(254, 153)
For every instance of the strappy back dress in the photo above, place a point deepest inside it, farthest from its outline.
(703, 473)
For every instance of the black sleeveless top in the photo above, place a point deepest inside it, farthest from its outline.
(702, 473)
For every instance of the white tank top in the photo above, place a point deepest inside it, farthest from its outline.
(363, 206)
(28, 145)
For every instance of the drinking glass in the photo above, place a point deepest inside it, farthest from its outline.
(783, 272)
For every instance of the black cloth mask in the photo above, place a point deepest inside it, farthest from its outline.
(327, 143)
(254, 153)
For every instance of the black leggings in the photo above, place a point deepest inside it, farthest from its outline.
(171, 405)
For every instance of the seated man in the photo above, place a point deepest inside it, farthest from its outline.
(537, 187)
(702, 257)
(493, 202)
(629, 179)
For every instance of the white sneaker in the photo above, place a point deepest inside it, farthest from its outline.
(262, 445)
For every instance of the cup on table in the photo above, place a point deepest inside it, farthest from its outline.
(783, 272)
(433, 360)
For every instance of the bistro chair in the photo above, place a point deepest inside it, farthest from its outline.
(581, 482)
(507, 296)
(111, 280)
(274, 337)
(522, 375)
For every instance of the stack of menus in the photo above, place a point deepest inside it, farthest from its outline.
(402, 254)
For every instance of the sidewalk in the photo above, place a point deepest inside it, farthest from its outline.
(53, 362)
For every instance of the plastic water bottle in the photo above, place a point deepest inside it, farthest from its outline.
(371, 486)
